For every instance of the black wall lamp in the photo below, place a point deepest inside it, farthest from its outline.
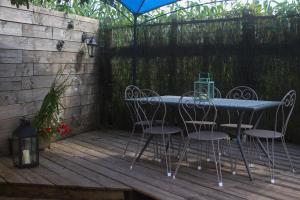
(90, 42)
(70, 24)
(60, 45)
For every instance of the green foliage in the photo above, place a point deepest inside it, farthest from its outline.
(20, 3)
(119, 15)
(47, 119)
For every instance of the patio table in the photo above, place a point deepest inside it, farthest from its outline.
(230, 104)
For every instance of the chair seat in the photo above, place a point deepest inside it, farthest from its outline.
(260, 133)
(243, 126)
(201, 122)
(145, 123)
(208, 135)
(165, 130)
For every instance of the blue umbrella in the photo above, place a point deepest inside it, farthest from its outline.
(139, 7)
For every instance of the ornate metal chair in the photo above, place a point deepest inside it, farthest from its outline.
(283, 114)
(217, 94)
(242, 93)
(191, 113)
(131, 93)
(149, 108)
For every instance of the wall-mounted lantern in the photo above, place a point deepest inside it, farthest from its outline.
(70, 24)
(60, 45)
(90, 42)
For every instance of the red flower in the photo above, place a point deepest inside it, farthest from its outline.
(48, 130)
(63, 129)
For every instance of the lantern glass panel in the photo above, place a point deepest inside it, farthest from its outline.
(91, 50)
(205, 89)
(204, 86)
(33, 150)
(26, 146)
(16, 150)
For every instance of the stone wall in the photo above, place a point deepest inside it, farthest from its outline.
(29, 61)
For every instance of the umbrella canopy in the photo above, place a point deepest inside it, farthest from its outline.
(139, 7)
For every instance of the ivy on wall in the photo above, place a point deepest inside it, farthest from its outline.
(20, 3)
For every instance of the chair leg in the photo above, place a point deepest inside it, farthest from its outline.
(233, 166)
(156, 156)
(287, 154)
(166, 152)
(129, 139)
(182, 155)
(181, 148)
(270, 162)
(236, 156)
(217, 158)
(251, 151)
(258, 151)
(207, 152)
(199, 167)
(220, 164)
(169, 153)
(273, 162)
(138, 149)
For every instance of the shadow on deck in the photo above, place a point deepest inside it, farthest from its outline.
(91, 166)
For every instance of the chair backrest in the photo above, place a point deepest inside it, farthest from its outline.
(132, 92)
(149, 108)
(242, 93)
(284, 111)
(217, 93)
(195, 108)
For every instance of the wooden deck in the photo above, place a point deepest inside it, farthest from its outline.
(91, 166)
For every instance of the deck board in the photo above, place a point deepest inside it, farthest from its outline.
(27, 174)
(203, 177)
(207, 188)
(94, 160)
(112, 167)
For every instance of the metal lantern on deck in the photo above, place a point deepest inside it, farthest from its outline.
(25, 146)
(204, 86)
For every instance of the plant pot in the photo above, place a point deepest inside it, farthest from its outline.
(44, 143)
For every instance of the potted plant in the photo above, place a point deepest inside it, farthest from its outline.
(48, 121)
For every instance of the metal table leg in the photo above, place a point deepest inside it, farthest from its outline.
(240, 119)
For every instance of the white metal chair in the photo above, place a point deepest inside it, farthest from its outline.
(283, 114)
(131, 93)
(242, 93)
(149, 108)
(191, 111)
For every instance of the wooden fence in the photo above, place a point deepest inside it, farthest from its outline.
(260, 52)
